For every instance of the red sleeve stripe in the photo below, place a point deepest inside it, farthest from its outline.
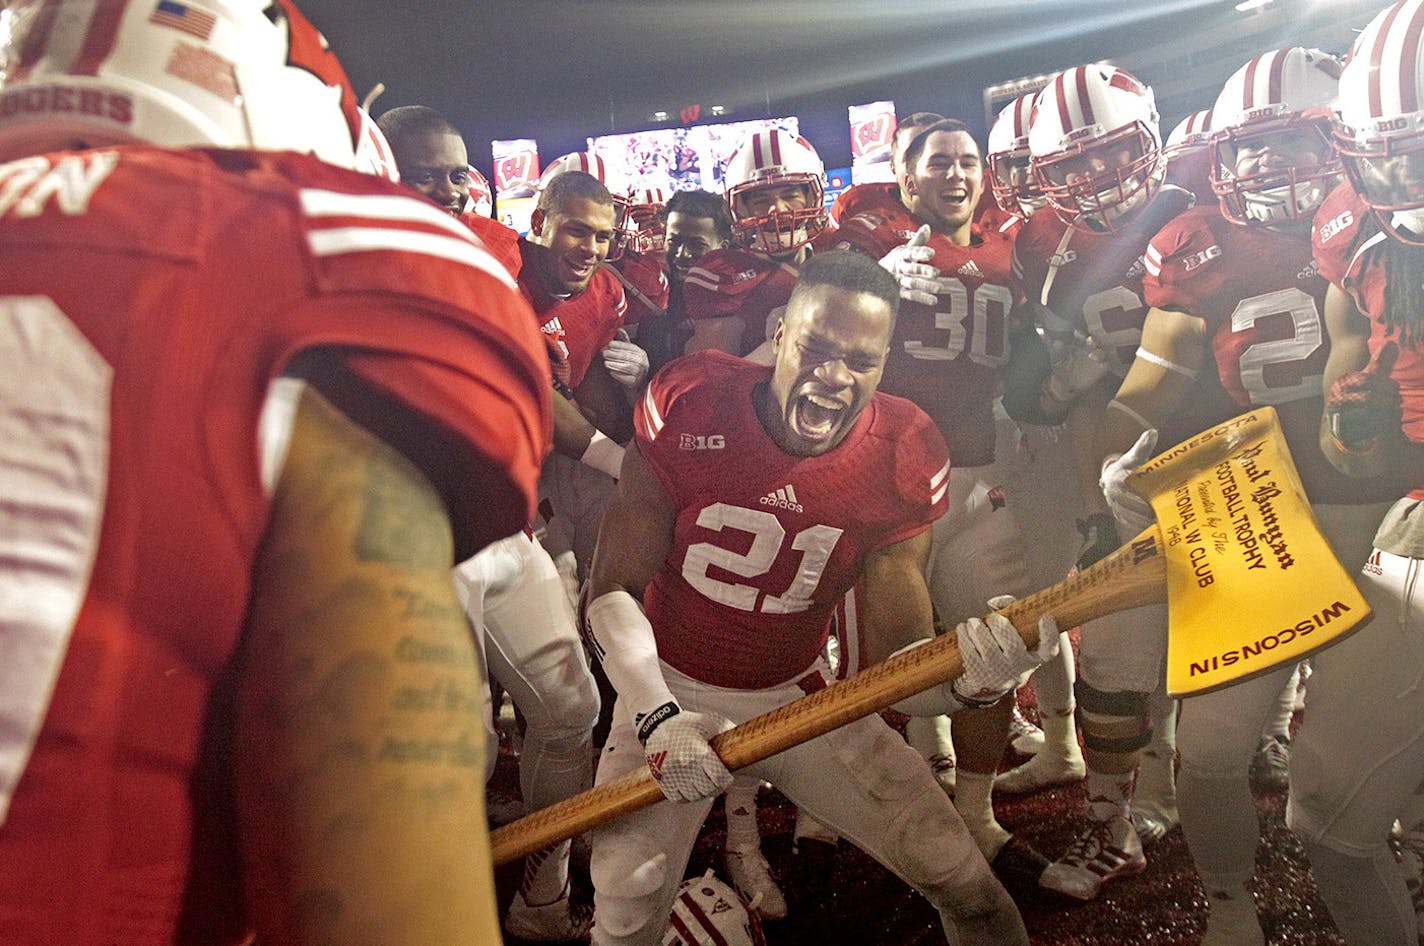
(1152, 259)
(323, 203)
(703, 279)
(341, 240)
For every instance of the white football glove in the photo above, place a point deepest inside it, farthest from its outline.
(1077, 364)
(1132, 512)
(681, 758)
(626, 361)
(909, 264)
(995, 656)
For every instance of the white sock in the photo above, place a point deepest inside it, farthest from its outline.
(741, 805)
(973, 799)
(1278, 723)
(546, 875)
(1108, 794)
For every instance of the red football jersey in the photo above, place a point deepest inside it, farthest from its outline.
(501, 241)
(738, 282)
(577, 328)
(1261, 297)
(946, 358)
(1351, 252)
(877, 197)
(766, 543)
(1096, 289)
(645, 284)
(151, 298)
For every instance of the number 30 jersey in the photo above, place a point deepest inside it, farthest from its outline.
(1261, 297)
(945, 358)
(766, 543)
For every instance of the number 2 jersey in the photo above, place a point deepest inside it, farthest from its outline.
(946, 358)
(148, 301)
(766, 544)
(1261, 296)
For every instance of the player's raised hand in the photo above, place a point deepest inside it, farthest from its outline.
(1364, 404)
(909, 263)
(626, 361)
(680, 755)
(1131, 511)
(1077, 363)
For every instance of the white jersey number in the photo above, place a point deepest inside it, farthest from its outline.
(1284, 357)
(1114, 319)
(815, 543)
(54, 456)
(986, 336)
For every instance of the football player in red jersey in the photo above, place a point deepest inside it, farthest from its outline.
(1233, 283)
(1357, 757)
(512, 591)
(883, 195)
(241, 456)
(1095, 151)
(430, 154)
(951, 339)
(728, 449)
(775, 188)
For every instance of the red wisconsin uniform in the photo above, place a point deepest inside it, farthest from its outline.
(766, 544)
(1261, 297)
(1350, 250)
(1097, 290)
(195, 278)
(501, 241)
(575, 329)
(645, 283)
(946, 358)
(878, 197)
(738, 282)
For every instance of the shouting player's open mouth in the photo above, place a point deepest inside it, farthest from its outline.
(816, 418)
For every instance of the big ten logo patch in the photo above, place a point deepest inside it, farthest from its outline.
(699, 442)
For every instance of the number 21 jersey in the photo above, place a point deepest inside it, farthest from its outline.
(766, 543)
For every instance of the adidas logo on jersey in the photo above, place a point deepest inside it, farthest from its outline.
(970, 269)
(1312, 271)
(784, 498)
(1372, 564)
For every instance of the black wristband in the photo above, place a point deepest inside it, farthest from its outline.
(647, 722)
(969, 701)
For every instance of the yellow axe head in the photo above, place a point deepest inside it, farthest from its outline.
(1251, 582)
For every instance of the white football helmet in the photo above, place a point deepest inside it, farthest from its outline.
(647, 231)
(1188, 156)
(1380, 123)
(591, 163)
(1096, 147)
(480, 199)
(221, 73)
(707, 912)
(773, 158)
(1010, 177)
(373, 151)
(1272, 157)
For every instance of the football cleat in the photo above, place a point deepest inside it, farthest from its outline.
(1151, 826)
(1106, 850)
(1024, 736)
(558, 922)
(751, 877)
(1270, 767)
(1045, 770)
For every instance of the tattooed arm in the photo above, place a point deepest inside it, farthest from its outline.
(360, 753)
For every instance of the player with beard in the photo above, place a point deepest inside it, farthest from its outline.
(775, 185)
(951, 340)
(726, 630)
(1096, 153)
(1234, 282)
(240, 455)
(1357, 757)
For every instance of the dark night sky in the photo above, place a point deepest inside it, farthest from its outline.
(559, 70)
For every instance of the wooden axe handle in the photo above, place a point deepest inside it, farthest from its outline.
(1134, 575)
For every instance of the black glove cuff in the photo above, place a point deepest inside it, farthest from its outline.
(645, 723)
(971, 702)
(1099, 532)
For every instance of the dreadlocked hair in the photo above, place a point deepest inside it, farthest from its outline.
(1404, 292)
